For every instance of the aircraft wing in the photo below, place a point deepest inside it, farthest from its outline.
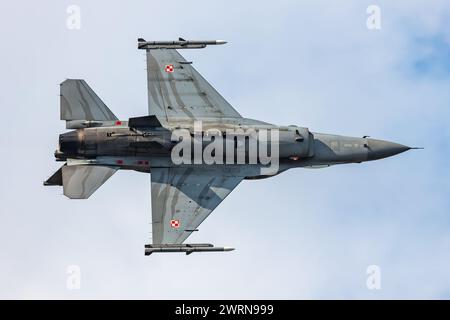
(183, 197)
(177, 90)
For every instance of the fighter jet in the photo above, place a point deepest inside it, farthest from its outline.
(195, 145)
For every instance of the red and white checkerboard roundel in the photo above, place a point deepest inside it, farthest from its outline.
(169, 68)
(175, 224)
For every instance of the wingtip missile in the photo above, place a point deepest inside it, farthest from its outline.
(186, 248)
(181, 43)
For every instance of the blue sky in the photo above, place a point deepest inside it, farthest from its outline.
(303, 234)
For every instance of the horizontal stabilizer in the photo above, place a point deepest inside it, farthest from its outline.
(81, 181)
(79, 102)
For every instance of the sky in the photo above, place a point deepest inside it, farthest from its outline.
(305, 234)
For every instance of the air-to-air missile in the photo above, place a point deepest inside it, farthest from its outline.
(180, 44)
(188, 248)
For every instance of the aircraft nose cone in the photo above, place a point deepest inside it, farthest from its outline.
(379, 149)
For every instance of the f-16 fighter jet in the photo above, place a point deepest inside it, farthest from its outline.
(195, 145)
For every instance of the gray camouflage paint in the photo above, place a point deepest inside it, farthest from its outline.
(79, 102)
(81, 181)
(188, 193)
